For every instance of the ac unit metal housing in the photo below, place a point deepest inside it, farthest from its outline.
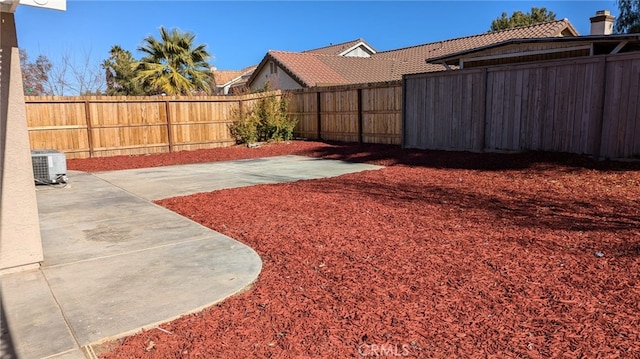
(49, 166)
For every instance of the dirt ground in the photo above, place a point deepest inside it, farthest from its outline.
(438, 255)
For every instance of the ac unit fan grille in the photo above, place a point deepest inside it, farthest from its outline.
(40, 166)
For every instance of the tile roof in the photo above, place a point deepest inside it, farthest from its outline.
(223, 77)
(362, 69)
(322, 66)
(306, 68)
(337, 49)
(412, 59)
(313, 69)
(611, 40)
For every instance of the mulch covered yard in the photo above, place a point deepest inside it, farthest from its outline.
(440, 254)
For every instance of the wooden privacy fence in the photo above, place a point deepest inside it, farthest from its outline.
(585, 106)
(96, 126)
(366, 113)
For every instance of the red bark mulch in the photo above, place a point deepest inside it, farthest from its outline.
(439, 255)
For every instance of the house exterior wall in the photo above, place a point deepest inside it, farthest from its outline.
(279, 80)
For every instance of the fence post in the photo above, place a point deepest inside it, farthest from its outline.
(169, 129)
(319, 115)
(403, 113)
(597, 150)
(87, 117)
(359, 93)
(483, 138)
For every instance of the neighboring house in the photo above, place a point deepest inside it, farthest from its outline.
(230, 81)
(294, 70)
(530, 50)
(599, 42)
(332, 65)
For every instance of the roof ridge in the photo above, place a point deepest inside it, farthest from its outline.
(565, 20)
(285, 51)
(347, 58)
(306, 53)
(332, 45)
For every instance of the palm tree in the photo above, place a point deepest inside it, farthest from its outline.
(173, 65)
(120, 71)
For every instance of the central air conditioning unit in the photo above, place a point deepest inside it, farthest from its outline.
(49, 166)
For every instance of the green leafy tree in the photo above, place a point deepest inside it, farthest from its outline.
(518, 18)
(174, 65)
(120, 71)
(35, 75)
(628, 20)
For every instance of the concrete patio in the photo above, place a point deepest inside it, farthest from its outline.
(114, 262)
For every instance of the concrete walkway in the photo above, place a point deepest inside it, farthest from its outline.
(115, 262)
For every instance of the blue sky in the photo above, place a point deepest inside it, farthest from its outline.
(239, 33)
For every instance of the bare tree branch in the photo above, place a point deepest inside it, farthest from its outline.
(72, 77)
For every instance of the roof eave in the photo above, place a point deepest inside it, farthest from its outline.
(569, 27)
(452, 59)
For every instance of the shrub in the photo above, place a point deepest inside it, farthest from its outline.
(268, 120)
(243, 129)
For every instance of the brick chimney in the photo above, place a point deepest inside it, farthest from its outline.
(602, 23)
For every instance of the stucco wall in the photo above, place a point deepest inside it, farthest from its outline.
(20, 244)
(280, 80)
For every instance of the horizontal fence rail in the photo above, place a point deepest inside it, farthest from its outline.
(587, 105)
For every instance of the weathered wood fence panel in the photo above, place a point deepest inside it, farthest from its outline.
(546, 107)
(586, 106)
(621, 121)
(451, 95)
